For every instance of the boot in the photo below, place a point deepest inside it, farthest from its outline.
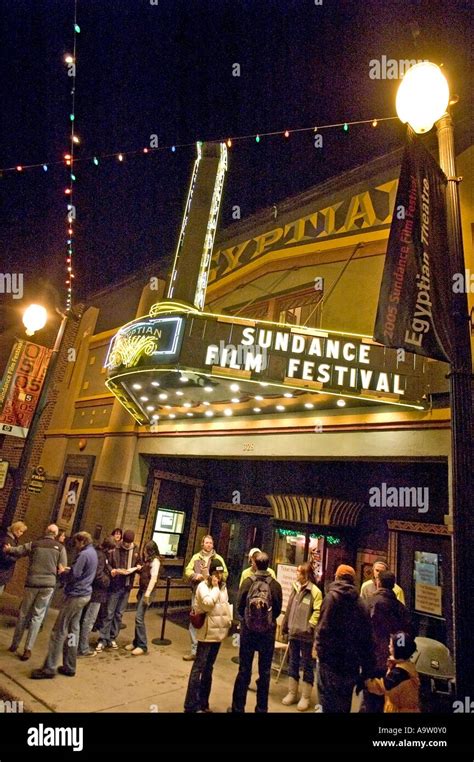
(303, 703)
(292, 695)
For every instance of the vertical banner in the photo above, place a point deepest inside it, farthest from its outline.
(414, 309)
(21, 387)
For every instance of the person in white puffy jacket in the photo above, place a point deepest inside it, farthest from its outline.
(211, 598)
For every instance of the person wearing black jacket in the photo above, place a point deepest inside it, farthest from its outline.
(262, 642)
(387, 615)
(10, 536)
(100, 588)
(125, 562)
(343, 643)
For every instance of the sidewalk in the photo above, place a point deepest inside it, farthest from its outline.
(116, 681)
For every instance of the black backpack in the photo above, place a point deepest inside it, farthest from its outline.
(258, 606)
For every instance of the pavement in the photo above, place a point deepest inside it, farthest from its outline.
(116, 681)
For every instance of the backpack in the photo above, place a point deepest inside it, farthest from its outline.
(258, 606)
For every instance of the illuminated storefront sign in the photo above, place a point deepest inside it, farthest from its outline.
(180, 362)
(145, 341)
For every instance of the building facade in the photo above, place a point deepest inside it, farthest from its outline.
(330, 472)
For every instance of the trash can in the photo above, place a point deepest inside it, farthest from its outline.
(436, 670)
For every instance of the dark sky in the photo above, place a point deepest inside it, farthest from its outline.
(167, 69)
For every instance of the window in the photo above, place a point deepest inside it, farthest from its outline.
(301, 309)
(168, 530)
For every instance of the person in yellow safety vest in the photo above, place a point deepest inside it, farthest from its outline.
(252, 568)
(196, 571)
(369, 587)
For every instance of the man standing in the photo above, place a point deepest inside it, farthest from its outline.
(370, 585)
(343, 642)
(125, 562)
(259, 604)
(387, 615)
(77, 591)
(47, 559)
(197, 570)
(7, 561)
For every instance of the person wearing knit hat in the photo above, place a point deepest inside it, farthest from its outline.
(344, 571)
(124, 562)
(343, 643)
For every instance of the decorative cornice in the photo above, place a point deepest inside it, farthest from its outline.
(243, 508)
(419, 527)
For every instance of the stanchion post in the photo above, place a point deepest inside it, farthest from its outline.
(162, 641)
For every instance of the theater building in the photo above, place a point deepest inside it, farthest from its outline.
(245, 397)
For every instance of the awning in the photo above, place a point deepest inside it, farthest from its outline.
(325, 511)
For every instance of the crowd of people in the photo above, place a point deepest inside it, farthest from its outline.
(348, 639)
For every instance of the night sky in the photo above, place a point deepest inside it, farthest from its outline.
(166, 69)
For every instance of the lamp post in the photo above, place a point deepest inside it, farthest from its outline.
(34, 318)
(423, 100)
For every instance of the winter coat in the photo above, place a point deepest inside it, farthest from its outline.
(369, 588)
(149, 576)
(249, 571)
(302, 612)
(275, 589)
(387, 615)
(400, 687)
(215, 602)
(199, 564)
(82, 573)
(344, 634)
(123, 558)
(102, 581)
(45, 556)
(7, 561)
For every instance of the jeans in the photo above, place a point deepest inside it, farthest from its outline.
(300, 657)
(65, 635)
(140, 640)
(200, 678)
(264, 644)
(32, 612)
(334, 690)
(116, 605)
(88, 621)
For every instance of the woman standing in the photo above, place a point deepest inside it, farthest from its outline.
(211, 598)
(299, 623)
(148, 579)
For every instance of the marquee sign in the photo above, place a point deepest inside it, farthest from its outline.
(181, 362)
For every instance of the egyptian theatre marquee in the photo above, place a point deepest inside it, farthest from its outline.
(182, 362)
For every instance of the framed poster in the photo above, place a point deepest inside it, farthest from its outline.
(69, 502)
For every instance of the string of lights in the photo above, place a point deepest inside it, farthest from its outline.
(257, 137)
(69, 158)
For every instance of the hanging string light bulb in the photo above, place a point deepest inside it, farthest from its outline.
(69, 158)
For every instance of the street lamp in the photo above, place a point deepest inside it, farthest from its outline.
(423, 100)
(34, 318)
